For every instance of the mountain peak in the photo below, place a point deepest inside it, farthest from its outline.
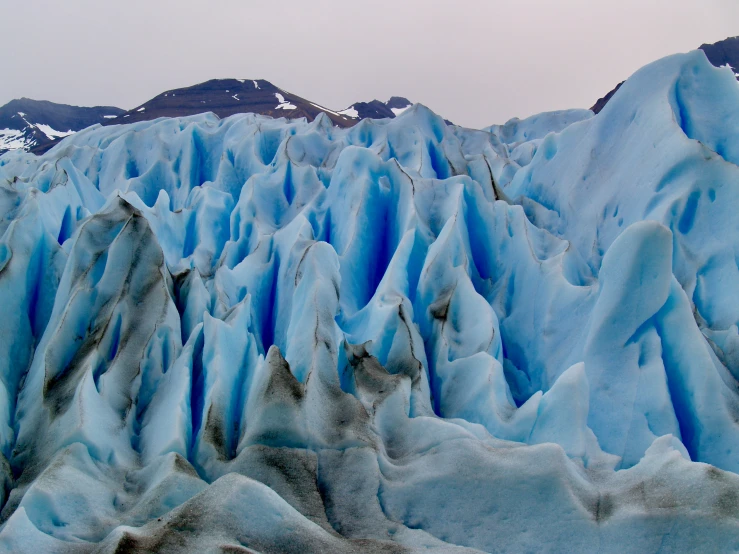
(376, 109)
(226, 97)
(36, 125)
(43, 123)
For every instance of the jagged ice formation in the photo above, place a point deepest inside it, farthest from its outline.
(264, 335)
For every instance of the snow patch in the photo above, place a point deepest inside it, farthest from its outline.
(53, 133)
(324, 109)
(283, 104)
(11, 139)
(350, 112)
(398, 111)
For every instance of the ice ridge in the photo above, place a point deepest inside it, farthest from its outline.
(269, 335)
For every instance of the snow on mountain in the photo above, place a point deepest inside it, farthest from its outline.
(284, 336)
(11, 139)
(223, 97)
(34, 125)
(283, 104)
(226, 97)
(376, 109)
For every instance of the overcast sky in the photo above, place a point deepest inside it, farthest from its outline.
(475, 62)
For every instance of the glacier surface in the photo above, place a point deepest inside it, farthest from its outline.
(257, 335)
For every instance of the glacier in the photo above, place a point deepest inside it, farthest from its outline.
(268, 335)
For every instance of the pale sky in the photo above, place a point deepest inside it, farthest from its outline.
(475, 62)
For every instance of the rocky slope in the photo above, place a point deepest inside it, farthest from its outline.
(35, 125)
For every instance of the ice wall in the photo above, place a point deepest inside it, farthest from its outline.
(284, 336)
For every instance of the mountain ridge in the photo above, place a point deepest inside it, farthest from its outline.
(51, 122)
(225, 97)
(36, 125)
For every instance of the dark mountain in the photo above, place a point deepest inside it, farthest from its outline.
(36, 125)
(721, 54)
(377, 109)
(601, 103)
(225, 97)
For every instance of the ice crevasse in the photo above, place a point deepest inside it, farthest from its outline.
(257, 335)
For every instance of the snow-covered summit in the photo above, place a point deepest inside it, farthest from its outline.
(285, 336)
